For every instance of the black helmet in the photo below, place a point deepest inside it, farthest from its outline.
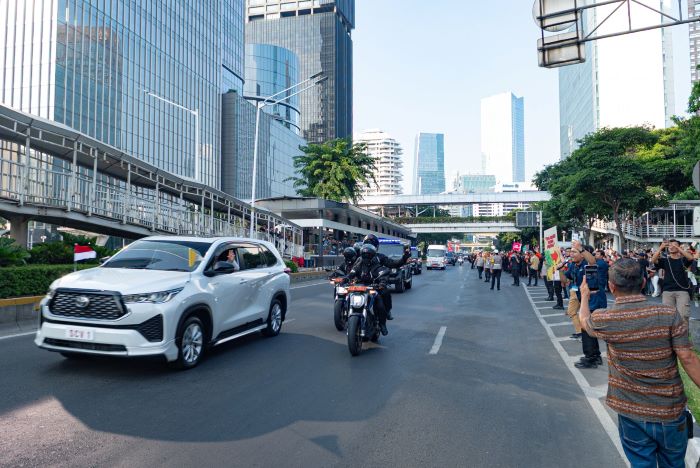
(371, 239)
(349, 254)
(368, 252)
(357, 247)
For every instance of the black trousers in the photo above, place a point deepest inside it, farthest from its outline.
(533, 274)
(591, 350)
(557, 292)
(380, 308)
(496, 278)
(480, 270)
(550, 288)
(487, 271)
(386, 298)
(516, 277)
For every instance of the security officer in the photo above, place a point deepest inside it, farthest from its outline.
(387, 263)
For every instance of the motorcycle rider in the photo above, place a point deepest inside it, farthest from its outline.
(368, 271)
(387, 263)
(350, 258)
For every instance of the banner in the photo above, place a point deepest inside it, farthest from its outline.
(550, 238)
(517, 246)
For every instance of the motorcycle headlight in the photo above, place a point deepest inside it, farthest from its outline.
(152, 298)
(357, 300)
(342, 290)
(394, 270)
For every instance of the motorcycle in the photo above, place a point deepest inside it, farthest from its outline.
(460, 261)
(363, 323)
(340, 307)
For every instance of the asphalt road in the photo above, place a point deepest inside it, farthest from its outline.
(496, 394)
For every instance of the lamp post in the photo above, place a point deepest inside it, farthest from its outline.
(195, 113)
(270, 100)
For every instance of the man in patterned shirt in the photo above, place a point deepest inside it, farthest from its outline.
(645, 342)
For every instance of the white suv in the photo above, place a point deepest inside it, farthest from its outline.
(169, 296)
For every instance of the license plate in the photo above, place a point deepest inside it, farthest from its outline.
(83, 334)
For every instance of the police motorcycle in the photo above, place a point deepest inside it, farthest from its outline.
(460, 260)
(363, 323)
(340, 294)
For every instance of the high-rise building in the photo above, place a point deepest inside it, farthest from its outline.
(625, 81)
(319, 33)
(694, 12)
(117, 71)
(429, 164)
(503, 137)
(387, 155)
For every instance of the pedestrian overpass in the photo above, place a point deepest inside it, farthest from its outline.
(50, 173)
(481, 228)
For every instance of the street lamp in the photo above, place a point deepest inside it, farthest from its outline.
(195, 112)
(268, 101)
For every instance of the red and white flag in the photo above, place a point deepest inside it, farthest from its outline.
(83, 252)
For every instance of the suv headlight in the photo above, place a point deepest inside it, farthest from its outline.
(357, 300)
(153, 298)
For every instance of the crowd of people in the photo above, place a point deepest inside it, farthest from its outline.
(645, 339)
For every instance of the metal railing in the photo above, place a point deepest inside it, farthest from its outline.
(644, 230)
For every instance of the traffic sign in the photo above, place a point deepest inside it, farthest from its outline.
(527, 219)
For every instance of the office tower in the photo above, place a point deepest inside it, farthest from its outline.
(387, 155)
(429, 164)
(319, 33)
(625, 81)
(503, 137)
(476, 183)
(694, 12)
(117, 71)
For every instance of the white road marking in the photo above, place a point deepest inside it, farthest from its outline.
(438, 341)
(590, 392)
(551, 315)
(309, 285)
(17, 335)
(559, 324)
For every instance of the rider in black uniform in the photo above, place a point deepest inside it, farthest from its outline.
(350, 259)
(388, 263)
(368, 271)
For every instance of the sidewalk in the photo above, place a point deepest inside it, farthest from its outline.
(593, 382)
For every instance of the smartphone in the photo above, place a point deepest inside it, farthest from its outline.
(592, 277)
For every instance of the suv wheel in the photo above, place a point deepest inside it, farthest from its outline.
(400, 286)
(190, 339)
(274, 319)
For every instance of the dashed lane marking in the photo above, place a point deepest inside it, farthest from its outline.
(438, 341)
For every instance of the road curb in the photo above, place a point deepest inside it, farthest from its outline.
(19, 314)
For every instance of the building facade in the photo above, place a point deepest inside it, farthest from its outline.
(503, 137)
(144, 77)
(476, 183)
(319, 32)
(429, 164)
(270, 71)
(387, 155)
(694, 12)
(604, 91)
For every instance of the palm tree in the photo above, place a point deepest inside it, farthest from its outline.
(336, 170)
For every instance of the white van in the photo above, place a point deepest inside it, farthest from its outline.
(437, 257)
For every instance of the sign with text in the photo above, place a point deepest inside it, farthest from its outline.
(517, 246)
(527, 219)
(550, 238)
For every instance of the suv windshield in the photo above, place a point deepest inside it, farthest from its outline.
(160, 255)
(391, 250)
(436, 253)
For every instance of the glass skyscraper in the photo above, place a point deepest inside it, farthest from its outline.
(604, 91)
(503, 137)
(269, 70)
(91, 64)
(319, 32)
(429, 164)
(694, 12)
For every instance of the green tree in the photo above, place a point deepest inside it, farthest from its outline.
(335, 170)
(11, 253)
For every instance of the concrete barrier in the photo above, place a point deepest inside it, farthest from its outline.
(20, 313)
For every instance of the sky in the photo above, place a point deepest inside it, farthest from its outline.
(425, 65)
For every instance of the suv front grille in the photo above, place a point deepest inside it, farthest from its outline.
(83, 345)
(100, 306)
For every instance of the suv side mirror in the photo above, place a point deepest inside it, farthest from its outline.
(220, 268)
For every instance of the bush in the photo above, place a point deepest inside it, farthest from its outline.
(31, 280)
(292, 266)
(51, 253)
(11, 253)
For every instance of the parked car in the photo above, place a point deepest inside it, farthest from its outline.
(167, 296)
(401, 278)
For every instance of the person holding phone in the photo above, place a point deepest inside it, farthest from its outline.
(645, 342)
(676, 286)
(582, 256)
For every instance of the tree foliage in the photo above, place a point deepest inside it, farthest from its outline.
(11, 253)
(336, 170)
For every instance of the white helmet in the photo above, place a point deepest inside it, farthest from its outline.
(495, 251)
